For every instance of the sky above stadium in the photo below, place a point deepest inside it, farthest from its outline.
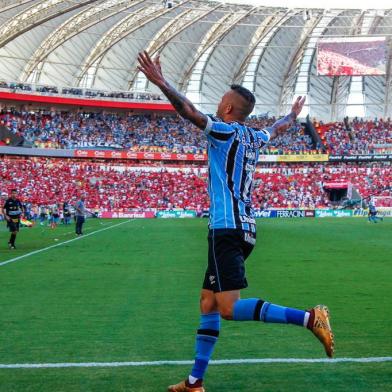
(358, 4)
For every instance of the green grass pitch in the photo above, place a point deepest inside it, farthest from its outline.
(130, 293)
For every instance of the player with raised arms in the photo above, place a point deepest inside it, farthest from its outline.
(233, 151)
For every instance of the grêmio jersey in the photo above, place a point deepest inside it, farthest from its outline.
(13, 208)
(233, 152)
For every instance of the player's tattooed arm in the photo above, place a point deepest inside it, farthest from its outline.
(184, 107)
(285, 122)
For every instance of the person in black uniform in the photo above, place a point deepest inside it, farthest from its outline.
(12, 211)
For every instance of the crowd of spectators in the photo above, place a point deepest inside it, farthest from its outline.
(114, 186)
(303, 185)
(79, 92)
(147, 133)
(169, 133)
(357, 137)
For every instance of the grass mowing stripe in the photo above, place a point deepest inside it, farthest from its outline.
(59, 244)
(187, 362)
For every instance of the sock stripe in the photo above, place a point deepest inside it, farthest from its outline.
(208, 332)
(259, 305)
(264, 309)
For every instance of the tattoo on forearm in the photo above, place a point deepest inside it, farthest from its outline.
(180, 102)
(184, 106)
(287, 120)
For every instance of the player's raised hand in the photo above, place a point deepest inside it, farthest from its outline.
(298, 105)
(151, 68)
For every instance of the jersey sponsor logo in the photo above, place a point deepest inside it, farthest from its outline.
(250, 154)
(250, 167)
(251, 145)
(247, 219)
(16, 212)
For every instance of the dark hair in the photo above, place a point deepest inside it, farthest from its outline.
(247, 95)
(14, 190)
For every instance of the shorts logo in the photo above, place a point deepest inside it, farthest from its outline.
(212, 279)
(250, 239)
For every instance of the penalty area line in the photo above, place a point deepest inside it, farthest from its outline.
(61, 243)
(186, 362)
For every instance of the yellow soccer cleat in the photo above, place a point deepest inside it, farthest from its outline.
(182, 387)
(321, 328)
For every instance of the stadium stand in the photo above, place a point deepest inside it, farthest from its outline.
(155, 133)
(76, 91)
(114, 185)
(168, 133)
(359, 137)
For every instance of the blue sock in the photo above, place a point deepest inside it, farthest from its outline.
(207, 335)
(258, 310)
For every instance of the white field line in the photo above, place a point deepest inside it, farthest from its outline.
(177, 363)
(60, 243)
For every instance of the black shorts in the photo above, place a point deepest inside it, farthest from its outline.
(13, 225)
(227, 251)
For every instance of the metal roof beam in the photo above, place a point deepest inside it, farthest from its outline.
(267, 27)
(313, 30)
(6, 5)
(36, 15)
(122, 29)
(168, 32)
(216, 33)
(73, 26)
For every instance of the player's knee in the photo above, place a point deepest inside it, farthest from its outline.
(226, 312)
(207, 304)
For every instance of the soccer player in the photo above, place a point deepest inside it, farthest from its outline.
(12, 211)
(233, 151)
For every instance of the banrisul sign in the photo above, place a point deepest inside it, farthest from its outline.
(333, 213)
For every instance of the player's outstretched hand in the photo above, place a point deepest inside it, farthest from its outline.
(298, 105)
(151, 68)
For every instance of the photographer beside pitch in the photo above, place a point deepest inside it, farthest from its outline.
(233, 151)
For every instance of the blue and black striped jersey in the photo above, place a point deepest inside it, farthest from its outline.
(233, 152)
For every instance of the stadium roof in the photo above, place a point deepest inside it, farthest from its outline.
(205, 46)
(355, 4)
